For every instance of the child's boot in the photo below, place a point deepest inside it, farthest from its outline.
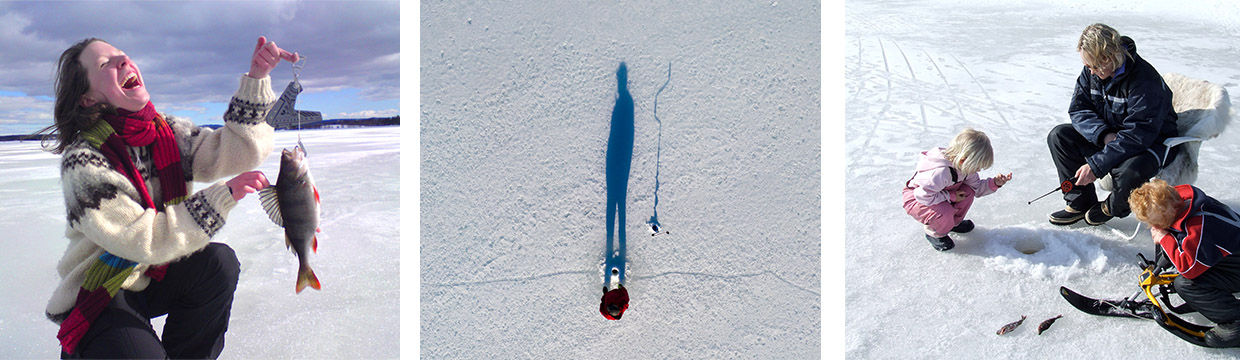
(941, 243)
(963, 227)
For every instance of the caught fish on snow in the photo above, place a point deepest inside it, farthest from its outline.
(1046, 324)
(293, 203)
(1009, 327)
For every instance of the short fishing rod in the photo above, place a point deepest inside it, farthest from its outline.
(1064, 186)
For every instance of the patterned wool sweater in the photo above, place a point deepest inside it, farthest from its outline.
(105, 210)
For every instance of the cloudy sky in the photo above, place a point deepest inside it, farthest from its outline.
(192, 54)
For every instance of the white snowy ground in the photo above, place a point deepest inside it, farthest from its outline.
(516, 110)
(356, 315)
(916, 72)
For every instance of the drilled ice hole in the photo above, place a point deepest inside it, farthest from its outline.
(1029, 246)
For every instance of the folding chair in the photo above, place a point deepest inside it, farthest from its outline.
(1203, 109)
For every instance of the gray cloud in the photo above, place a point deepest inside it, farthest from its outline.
(195, 51)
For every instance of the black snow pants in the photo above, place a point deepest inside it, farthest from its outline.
(1211, 292)
(196, 294)
(1069, 150)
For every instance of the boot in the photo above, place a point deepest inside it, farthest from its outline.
(941, 243)
(1224, 335)
(1067, 216)
(963, 227)
(1098, 215)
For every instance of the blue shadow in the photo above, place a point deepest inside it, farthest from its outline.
(619, 160)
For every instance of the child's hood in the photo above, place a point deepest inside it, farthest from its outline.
(932, 159)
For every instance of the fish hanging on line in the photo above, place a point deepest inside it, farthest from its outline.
(1012, 326)
(293, 203)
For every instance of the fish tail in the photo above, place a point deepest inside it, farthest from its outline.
(305, 277)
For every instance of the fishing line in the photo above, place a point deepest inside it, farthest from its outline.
(296, 74)
(654, 220)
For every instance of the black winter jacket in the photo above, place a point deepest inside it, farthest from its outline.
(1134, 103)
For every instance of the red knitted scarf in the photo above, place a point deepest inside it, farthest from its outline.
(141, 128)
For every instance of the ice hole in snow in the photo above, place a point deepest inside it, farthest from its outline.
(1029, 246)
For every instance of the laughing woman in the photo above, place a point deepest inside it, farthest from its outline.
(139, 236)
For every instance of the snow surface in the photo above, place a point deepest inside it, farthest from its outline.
(917, 72)
(355, 315)
(516, 104)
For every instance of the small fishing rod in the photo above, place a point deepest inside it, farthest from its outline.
(1064, 186)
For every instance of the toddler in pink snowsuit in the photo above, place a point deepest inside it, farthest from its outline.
(941, 192)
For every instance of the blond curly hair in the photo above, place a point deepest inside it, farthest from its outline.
(1156, 203)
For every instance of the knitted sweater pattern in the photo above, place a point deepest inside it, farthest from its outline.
(104, 210)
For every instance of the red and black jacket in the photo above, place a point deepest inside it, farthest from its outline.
(619, 297)
(1207, 232)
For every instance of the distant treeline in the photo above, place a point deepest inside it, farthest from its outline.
(377, 121)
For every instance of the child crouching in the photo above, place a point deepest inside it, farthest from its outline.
(1201, 237)
(941, 192)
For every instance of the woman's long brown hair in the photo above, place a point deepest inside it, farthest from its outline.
(69, 116)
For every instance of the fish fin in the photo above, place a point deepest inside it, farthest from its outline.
(271, 204)
(316, 194)
(306, 277)
(316, 245)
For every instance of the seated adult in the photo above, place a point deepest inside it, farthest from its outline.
(1121, 112)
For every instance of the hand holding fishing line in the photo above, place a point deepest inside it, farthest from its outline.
(266, 56)
(247, 183)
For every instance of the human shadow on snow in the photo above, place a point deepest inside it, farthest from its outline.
(619, 160)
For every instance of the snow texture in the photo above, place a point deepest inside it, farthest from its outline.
(916, 73)
(356, 315)
(517, 104)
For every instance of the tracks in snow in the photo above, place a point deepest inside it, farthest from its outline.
(896, 112)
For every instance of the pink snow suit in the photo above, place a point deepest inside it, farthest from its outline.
(930, 195)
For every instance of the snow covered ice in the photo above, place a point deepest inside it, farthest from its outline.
(515, 118)
(916, 73)
(356, 315)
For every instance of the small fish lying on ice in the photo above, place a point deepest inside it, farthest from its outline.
(293, 203)
(1047, 324)
(1009, 327)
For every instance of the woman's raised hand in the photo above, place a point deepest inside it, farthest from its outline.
(266, 56)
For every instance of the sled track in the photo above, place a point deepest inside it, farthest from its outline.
(984, 92)
(886, 103)
(959, 109)
(921, 104)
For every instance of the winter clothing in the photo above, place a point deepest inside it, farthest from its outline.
(1135, 104)
(1191, 248)
(197, 296)
(138, 129)
(930, 196)
(618, 297)
(943, 243)
(1066, 216)
(963, 227)
(1224, 335)
(1098, 215)
(117, 231)
(1069, 150)
(1200, 244)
